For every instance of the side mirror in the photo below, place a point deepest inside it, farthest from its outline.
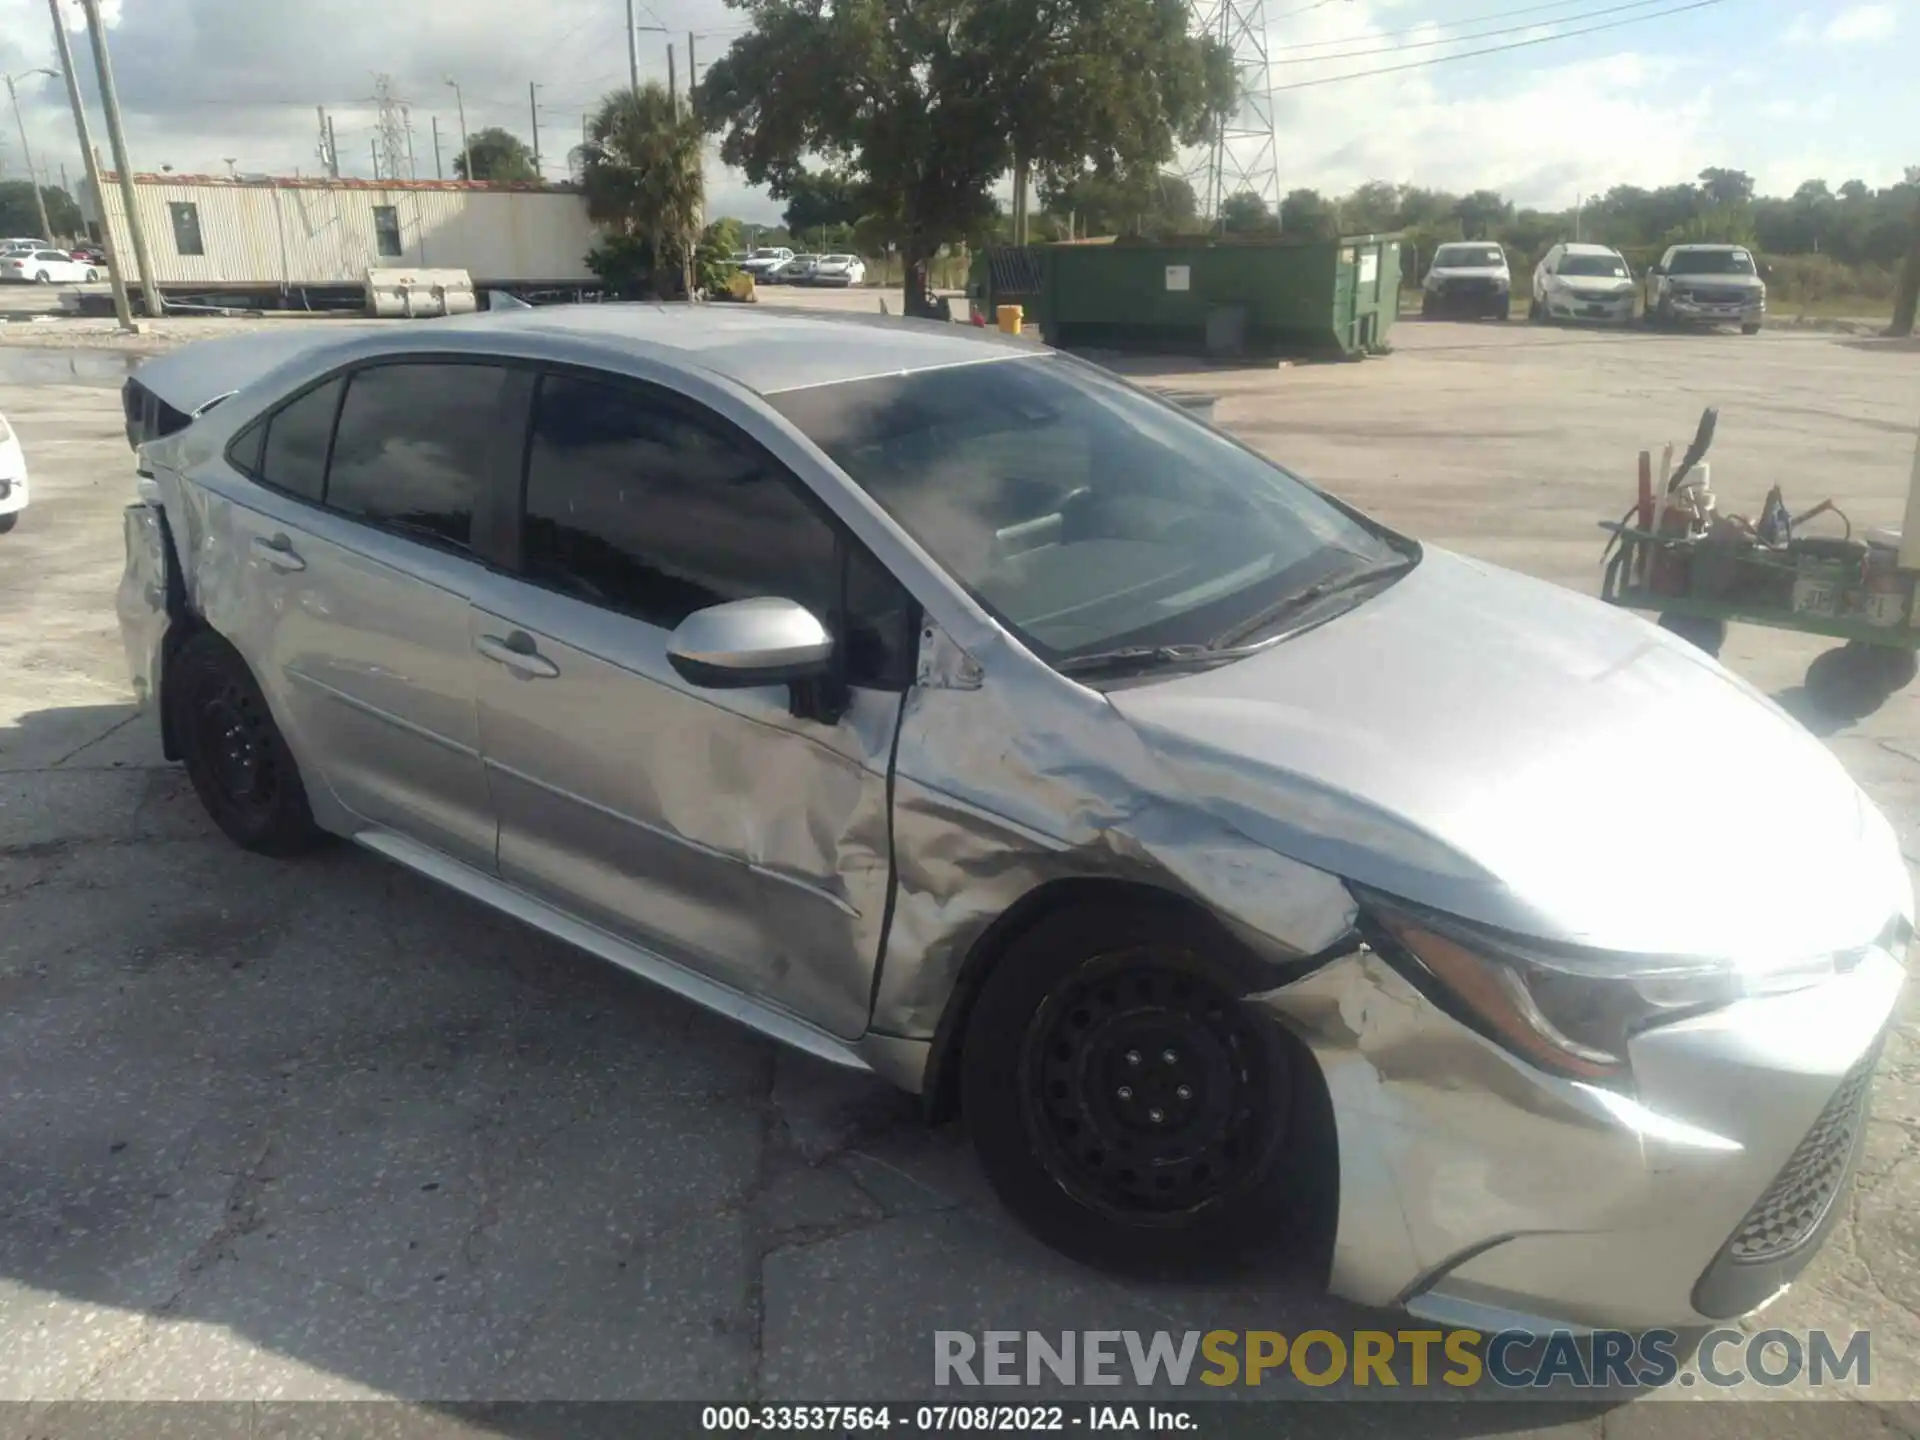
(747, 643)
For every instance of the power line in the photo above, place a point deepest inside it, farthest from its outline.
(1425, 25)
(1495, 49)
(1462, 39)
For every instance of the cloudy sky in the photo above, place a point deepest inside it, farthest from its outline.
(1784, 89)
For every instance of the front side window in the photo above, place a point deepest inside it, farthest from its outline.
(386, 231)
(294, 456)
(417, 442)
(186, 227)
(1081, 512)
(634, 504)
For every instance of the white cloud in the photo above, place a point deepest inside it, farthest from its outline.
(1859, 23)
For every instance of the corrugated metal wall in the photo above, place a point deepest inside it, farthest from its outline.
(295, 232)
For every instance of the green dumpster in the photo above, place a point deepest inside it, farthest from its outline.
(1224, 297)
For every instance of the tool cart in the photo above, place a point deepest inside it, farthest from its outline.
(1675, 555)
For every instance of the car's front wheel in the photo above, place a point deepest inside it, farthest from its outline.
(235, 755)
(92, 275)
(43, 278)
(8, 521)
(1127, 1104)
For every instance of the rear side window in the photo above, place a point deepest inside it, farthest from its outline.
(417, 444)
(293, 456)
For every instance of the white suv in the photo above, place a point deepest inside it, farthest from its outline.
(1707, 285)
(1582, 282)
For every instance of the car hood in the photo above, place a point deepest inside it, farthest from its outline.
(1513, 753)
(1468, 272)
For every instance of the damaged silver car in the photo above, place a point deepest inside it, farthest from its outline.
(952, 709)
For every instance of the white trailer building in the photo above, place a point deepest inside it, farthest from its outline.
(315, 238)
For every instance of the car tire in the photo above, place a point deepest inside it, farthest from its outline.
(92, 275)
(1426, 307)
(1080, 1005)
(1534, 312)
(235, 755)
(43, 278)
(8, 521)
(1700, 631)
(1749, 329)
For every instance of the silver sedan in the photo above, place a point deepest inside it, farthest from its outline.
(1245, 874)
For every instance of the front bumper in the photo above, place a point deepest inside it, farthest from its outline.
(1466, 298)
(1476, 1190)
(1701, 312)
(1604, 310)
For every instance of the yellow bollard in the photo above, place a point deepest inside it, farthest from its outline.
(1011, 318)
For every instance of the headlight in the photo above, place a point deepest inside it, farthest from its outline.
(1567, 1010)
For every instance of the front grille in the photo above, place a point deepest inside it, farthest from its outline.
(1719, 297)
(1803, 1192)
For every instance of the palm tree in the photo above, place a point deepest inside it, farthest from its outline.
(642, 167)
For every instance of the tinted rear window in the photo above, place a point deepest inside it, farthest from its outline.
(294, 458)
(416, 443)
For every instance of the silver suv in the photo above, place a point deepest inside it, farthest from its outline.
(1707, 285)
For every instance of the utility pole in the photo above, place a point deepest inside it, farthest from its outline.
(374, 145)
(633, 48)
(333, 150)
(533, 113)
(90, 157)
(413, 172)
(693, 72)
(466, 154)
(329, 164)
(438, 173)
(65, 188)
(26, 153)
(392, 127)
(673, 86)
(116, 137)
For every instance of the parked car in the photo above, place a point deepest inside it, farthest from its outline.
(46, 267)
(797, 271)
(953, 709)
(760, 263)
(26, 242)
(1469, 278)
(1707, 285)
(1582, 282)
(839, 270)
(89, 255)
(13, 477)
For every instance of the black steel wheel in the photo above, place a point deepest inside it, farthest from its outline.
(8, 521)
(1128, 1105)
(234, 753)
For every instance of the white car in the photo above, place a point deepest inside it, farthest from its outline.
(46, 267)
(797, 271)
(1582, 282)
(1467, 278)
(839, 270)
(761, 263)
(13, 477)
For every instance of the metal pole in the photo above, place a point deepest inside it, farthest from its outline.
(466, 153)
(89, 157)
(693, 74)
(673, 85)
(375, 146)
(333, 150)
(413, 172)
(26, 153)
(438, 173)
(116, 137)
(633, 49)
(533, 112)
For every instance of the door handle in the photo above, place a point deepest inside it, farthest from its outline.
(518, 654)
(278, 552)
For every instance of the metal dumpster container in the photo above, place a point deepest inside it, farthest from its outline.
(1229, 297)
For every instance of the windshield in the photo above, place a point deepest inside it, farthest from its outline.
(1084, 514)
(1711, 262)
(1608, 265)
(766, 255)
(1469, 257)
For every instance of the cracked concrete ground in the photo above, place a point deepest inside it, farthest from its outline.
(277, 1132)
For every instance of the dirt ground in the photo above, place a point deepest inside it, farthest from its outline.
(320, 1130)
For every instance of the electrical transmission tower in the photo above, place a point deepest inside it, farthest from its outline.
(1242, 156)
(391, 129)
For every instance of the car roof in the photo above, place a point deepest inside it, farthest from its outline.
(768, 351)
(1581, 247)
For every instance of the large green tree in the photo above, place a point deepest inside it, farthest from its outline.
(495, 154)
(1245, 211)
(1309, 215)
(642, 167)
(925, 104)
(19, 215)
